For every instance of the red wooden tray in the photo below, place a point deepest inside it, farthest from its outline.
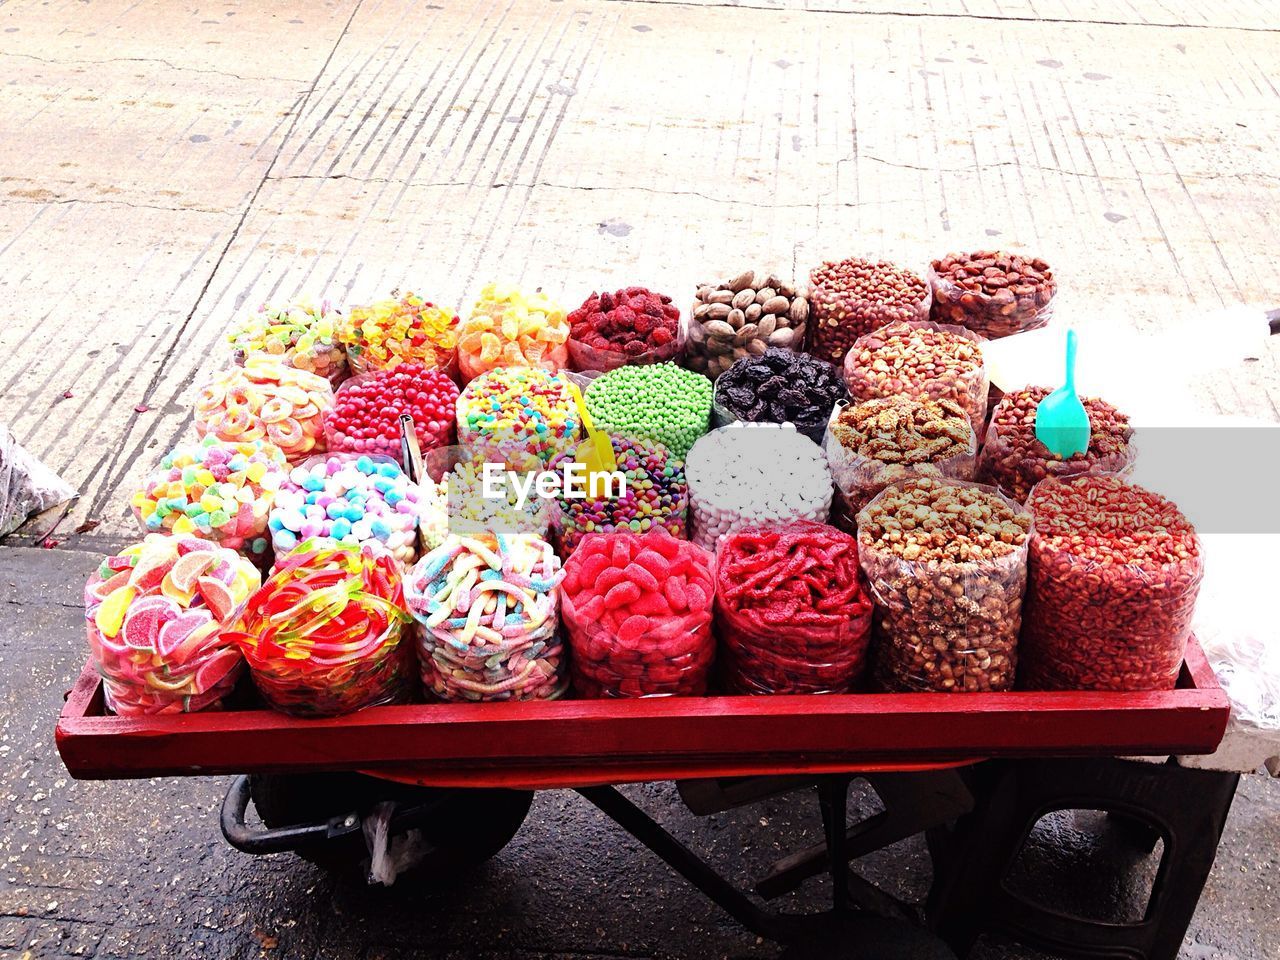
(575, 743)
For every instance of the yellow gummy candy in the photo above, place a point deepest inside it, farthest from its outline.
(183, 524)
(109, 617)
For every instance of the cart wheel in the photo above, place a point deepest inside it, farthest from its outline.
(492, 818)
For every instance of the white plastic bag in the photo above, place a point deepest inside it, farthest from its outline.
(27, 486)
(1235, 625)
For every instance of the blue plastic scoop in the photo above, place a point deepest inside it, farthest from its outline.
(1062, 424)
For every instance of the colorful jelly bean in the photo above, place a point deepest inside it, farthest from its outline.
(519, 409)
(654, 495)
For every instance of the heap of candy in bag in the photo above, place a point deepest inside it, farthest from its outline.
(820, 496)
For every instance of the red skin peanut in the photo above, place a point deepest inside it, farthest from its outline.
(992, 292)
(1114, 575)
(849, 298)
(1013, 460)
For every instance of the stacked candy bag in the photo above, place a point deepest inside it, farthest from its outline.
(154, 615)
(486, 608)
(322, 636)
(265, 399)
(301, 334)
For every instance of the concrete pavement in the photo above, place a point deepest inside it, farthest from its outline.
(166, 166)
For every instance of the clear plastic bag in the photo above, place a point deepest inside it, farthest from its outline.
(728, 320)
(486, 609)
(1013, 460)
(654, 495)
(352, 499)
(751, 473)
(463, 508)
(788, 388)
(871, 370)
(638, 611)
(430, 433)
(1103, 625)
(858, 477)
(155, 616)
(587, 356)
(1234, 623)
(841, 311)
(943, 625)
(27, 485)
(324, 636)
(997, 311)
(791, 619)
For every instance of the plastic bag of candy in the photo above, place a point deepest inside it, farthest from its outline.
(401, 329)
(301, 334)
(792, 610)
(508, 328)
(633, 326)
(486, 608)
(155, 615)
(653, 494)
(637, 609)
(323, 636)
(353, 500)
(459, 474)
(216, 491)
(266, 400)
(520, 410)
(366, 410)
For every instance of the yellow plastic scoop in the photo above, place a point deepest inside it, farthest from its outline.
(596, 452)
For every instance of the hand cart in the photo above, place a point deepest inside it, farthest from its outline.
(313, 781)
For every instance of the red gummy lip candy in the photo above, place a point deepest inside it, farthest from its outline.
(638, 612)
